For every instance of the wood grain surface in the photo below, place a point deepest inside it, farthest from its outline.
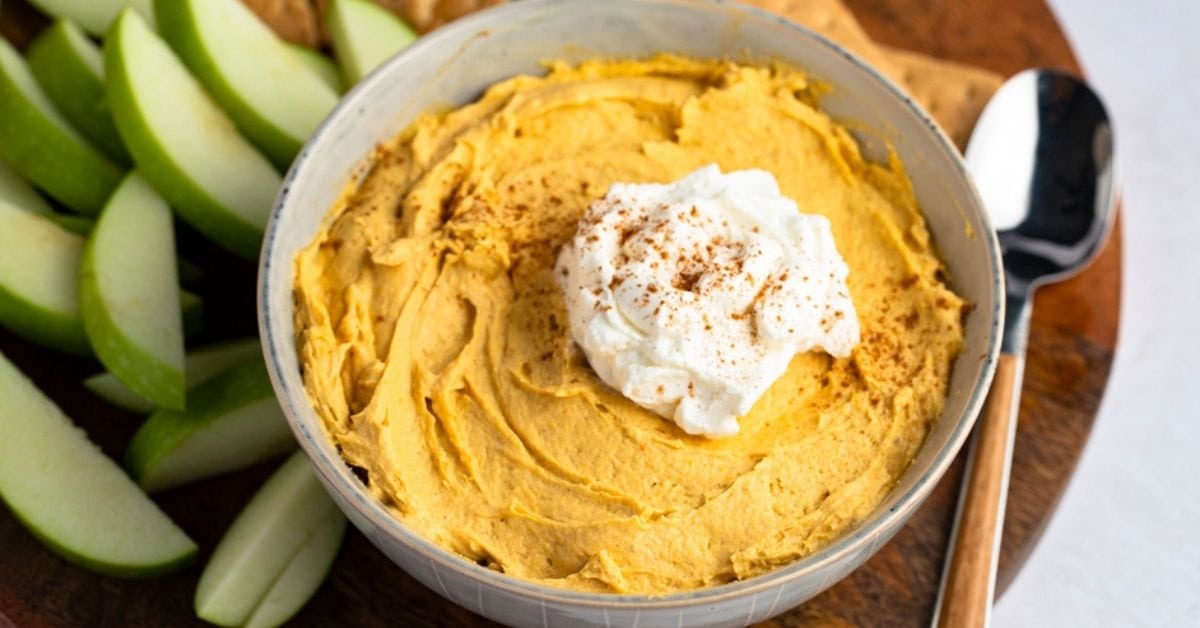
(1071, 348)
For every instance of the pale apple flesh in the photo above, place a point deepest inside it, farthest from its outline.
(106, 386)
(182, 143)
(199, 366)
(276, 526)
(275, 101)
(14, 191)
(18, 194)
(232, 421)
(364, 35)
(73, 497)
(129, 294)
(70, 69)
(321, 65)
(302, 576)
(39, 279)
(37, 142)
(95, 16)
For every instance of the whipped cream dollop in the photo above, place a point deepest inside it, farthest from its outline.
(691, 298)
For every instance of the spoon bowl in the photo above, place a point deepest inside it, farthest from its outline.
(1042, 159)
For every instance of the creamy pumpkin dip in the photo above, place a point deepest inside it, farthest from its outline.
(435, 347)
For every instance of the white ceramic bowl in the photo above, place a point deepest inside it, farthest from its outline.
(453, 66)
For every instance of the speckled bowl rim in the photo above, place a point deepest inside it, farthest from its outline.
(337, 474)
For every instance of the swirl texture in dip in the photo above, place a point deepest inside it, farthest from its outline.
(435, 347)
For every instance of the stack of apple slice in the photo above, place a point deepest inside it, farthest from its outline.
(43, 147)
(275, 555)
(39, 270)
(364, 35)
(186, 109)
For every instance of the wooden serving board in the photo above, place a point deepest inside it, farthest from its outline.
(1070, 354)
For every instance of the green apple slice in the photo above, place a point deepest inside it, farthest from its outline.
(106, 385)
(94, 16)
(364, 35)
(39, 266)
(73, 497)
(129, 294)
(43, 147)
(70, 69)
(274, 100)
(14, 191)
(232, 421)
(320, 64)
(39, 280)
(302, 576)
(182, 142)
(198, 366)
(256, 554)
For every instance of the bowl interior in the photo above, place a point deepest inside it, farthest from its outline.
(454, 65)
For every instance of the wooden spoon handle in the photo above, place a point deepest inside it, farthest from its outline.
(969, 578)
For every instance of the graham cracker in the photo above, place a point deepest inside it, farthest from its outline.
(832, 19)
(953, 93)
(426, 15)
(423, 15)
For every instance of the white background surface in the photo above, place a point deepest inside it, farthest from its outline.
(1124, 547)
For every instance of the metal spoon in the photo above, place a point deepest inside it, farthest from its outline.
(1042, 159)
